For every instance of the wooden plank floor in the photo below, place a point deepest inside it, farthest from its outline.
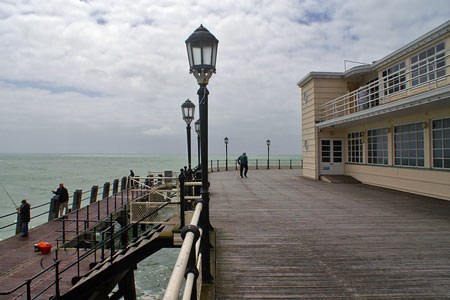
(281, 236)
(19, 261)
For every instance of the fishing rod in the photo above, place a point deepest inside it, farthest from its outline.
(10, 198)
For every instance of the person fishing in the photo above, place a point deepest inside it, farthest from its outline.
(63, 198)
(24, 212)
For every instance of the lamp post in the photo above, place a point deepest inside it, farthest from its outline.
(197, 129)
(201, 48)
(268, 151)
(226, 153)
(188, 110)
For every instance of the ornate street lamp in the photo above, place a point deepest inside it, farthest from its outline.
(197, 129)
(226, 153)
(188, 110)
(201, 48)
(268, 151)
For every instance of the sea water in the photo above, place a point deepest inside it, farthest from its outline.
(34, 176)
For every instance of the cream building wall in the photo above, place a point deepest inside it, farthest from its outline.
(425, 181)
(318, 91)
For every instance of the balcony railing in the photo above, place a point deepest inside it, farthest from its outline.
(404, 82)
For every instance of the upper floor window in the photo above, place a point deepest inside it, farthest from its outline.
(441, 143)
(428, 64)
(409, 145)
(394, 78)
(305, 97)
(355, 147)
(377, 146)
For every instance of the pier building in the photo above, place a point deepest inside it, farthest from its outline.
(386, 123)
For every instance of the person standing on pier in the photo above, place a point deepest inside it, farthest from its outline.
(63, 198)
(243, 163)
(24, 211)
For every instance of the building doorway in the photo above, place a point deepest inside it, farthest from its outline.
(331, 160)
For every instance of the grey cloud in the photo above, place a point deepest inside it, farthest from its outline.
(103, 71)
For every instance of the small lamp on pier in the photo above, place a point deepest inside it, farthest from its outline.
(268, 151)
(197, 129)
(201, 48)
(225, 140)
(188, 110)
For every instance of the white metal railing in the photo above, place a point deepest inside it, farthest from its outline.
(179, 270)
(165, 189)
(393, 86)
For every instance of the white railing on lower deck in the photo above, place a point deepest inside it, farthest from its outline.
(394, 86)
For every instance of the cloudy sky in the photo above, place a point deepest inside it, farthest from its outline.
(97, 76)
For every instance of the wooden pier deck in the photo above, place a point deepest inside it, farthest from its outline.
(19, 261)
(281, 236)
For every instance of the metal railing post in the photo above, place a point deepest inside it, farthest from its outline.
(212, 166)
(57, 279)
(63, 231)
(182, 200)
(28, 289)
(78, 245)
(112, 238)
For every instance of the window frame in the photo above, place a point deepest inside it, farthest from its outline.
(352, 147)
(443, 148)
(384, 158)
(390, 76)
(431, 58)
(402, 150)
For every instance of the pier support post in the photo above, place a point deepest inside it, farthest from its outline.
(94, 193)
(127, 286)
(76, 204)
(106, 188)
(54, 208)
(115, 186)
(123, 185)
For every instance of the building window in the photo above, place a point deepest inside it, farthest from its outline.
(428, 65)
(408, 145)
(377, 146)
(355, 147)
(441, 144)
(305, 97)
(394, 79)
(372, 85)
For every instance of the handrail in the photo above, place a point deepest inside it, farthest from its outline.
(88, 253)
(390, 86)
(179, 270)
(85, 196)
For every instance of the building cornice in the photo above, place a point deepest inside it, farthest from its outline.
(322, 75)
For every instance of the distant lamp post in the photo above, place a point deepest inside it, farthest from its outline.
(188, 110)
(268, 152)
(201, 48)
(197, 129)
(226, 153)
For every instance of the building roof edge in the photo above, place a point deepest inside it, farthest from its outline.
(312, 75)
(411, 46)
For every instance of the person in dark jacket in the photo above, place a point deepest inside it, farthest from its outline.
(63, 198)
(243, 163)
(24, 211)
